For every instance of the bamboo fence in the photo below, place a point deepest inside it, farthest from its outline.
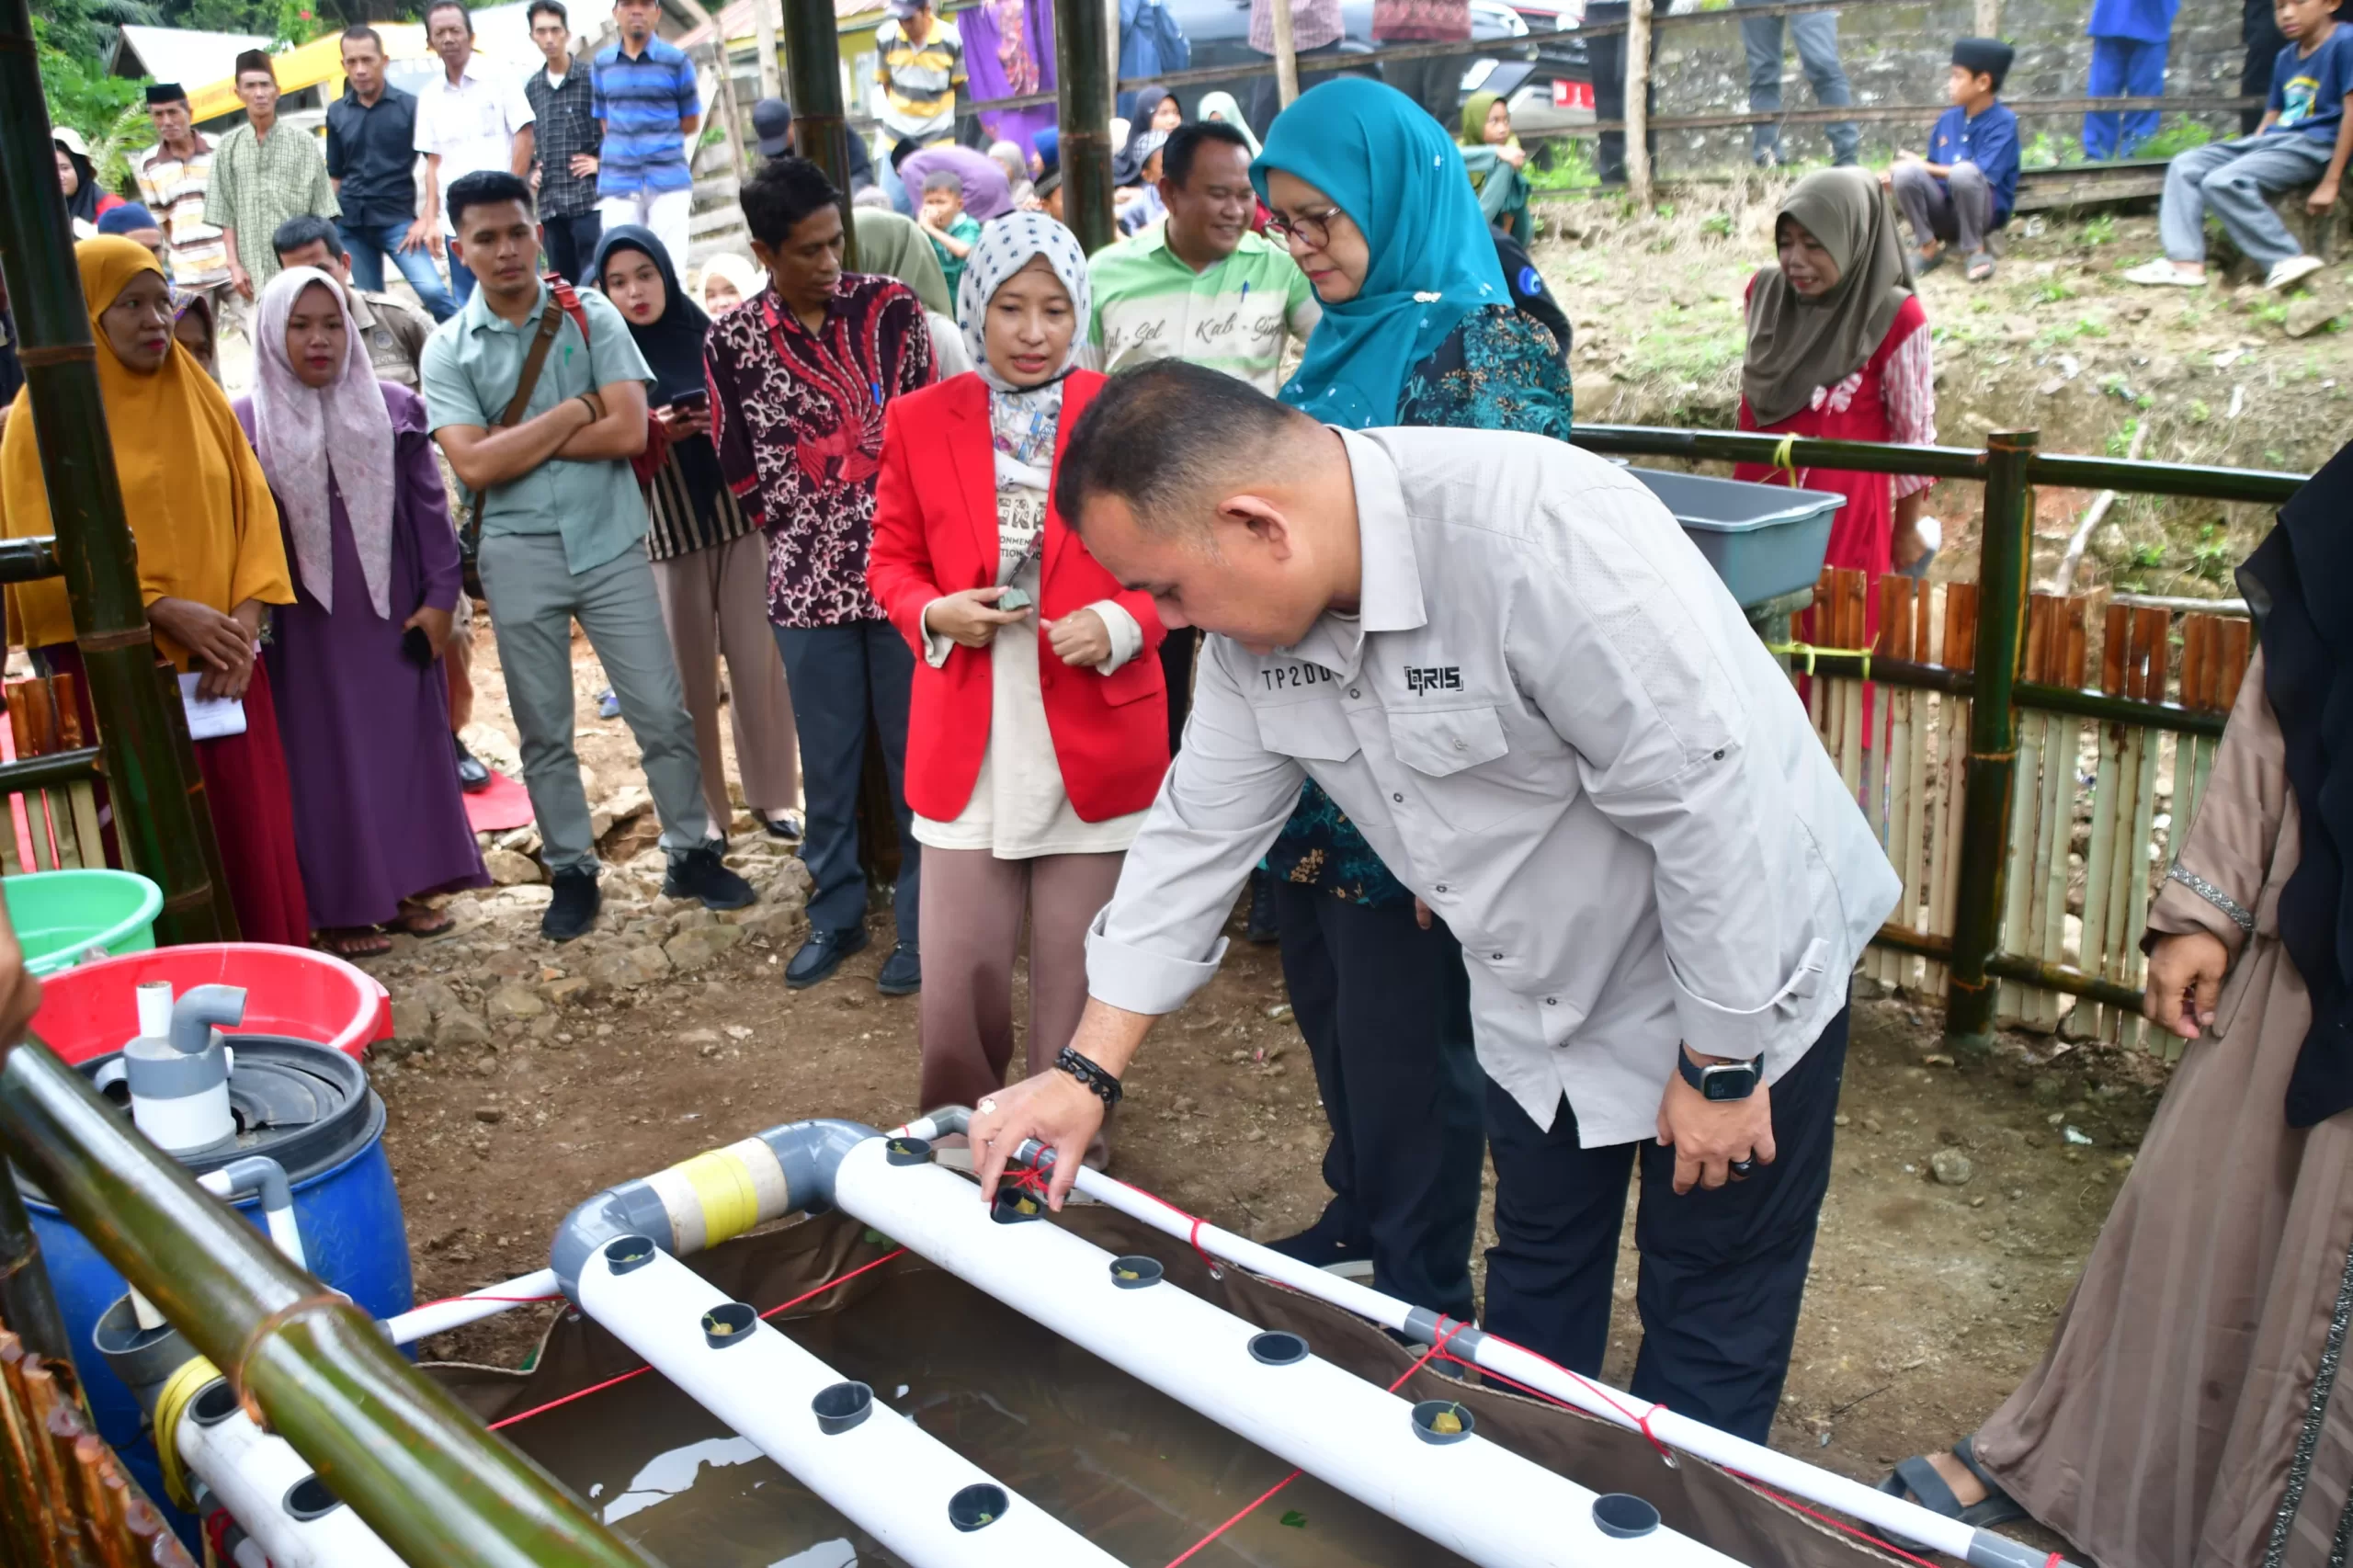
(64, 1501)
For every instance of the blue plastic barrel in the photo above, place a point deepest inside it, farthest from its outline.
(310, 1108)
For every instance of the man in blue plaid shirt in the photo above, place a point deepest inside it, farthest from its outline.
(650, 108)
(563, 152)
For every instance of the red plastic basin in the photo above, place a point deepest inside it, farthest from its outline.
(91, 1009)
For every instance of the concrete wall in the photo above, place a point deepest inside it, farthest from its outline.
(1895, 52)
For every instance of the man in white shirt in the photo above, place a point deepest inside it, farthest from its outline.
(1506, 663)
(468, 117)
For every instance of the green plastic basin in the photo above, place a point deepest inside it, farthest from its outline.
(63, 918)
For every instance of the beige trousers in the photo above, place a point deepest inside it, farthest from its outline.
(715, 604)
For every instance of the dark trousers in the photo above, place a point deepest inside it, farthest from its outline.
(1266, 99)
(1176, 664)
(1723, 1272)
(1385, 1008)
(2264, 43)
(1435, 85)
(1607, 55)
(843, 678)
(571, 243)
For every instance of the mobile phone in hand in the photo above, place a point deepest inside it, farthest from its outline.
(691, 402)
(417, 648)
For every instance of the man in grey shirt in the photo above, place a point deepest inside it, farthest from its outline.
(1504, 662)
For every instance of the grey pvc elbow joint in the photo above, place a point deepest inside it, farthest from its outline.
(808, 1152)
(201, 1009)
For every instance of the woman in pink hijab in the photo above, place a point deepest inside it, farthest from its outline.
(363, 705)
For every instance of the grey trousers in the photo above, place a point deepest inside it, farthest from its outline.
(534, 599)
(845, 678)
(715, 602)
(2234, 180)
(1958, 209)
(1817, 34)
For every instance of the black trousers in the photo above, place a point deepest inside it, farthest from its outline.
(1385, 1008)
(1435, 85)
(571, 243)
(1176, 651)
(1607, 55)
(1723, 1272)
(2264, 43)
(855, 676)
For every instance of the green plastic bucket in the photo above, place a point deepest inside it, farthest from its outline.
(62, 917)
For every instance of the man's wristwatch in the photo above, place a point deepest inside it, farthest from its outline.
(1724, 1081)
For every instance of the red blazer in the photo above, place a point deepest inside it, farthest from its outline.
(936, 533)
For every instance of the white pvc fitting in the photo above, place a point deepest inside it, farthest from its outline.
(254, 1475)
(888, 1475)
(1470, 1495)
(439, 1317)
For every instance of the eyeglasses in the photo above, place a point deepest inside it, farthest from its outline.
(1313, 230)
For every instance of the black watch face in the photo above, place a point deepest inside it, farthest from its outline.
(1727, 1083)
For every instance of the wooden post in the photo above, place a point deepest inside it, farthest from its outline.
(1286, 53)
(2004, 554)
(1083, 39)
(813, 60)
(1638, 101)
(1989, 18)
(764, 31)
(164, 826)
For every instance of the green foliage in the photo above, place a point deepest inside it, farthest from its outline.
(2102, 229)
(1561, 164)
(72, 39)
(2044, 153)
(1718, 224)
(2119, 441)
(2173, 138)
(2147, 557)
(2213, 557)
(2058, 289)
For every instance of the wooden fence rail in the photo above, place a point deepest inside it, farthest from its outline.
(2028, 760)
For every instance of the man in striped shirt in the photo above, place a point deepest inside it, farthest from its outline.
(173, 177)
(650, 108)
(919, 60)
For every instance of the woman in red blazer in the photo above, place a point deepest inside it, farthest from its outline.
(1040, 731)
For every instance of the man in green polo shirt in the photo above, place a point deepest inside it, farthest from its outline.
(1201, 287)
(563, 531)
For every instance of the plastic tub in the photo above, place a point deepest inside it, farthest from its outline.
(1763, 539)
(61, 917)
(292, 992)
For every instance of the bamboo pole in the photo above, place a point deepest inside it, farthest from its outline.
(1850, 693)
(2062, 753)
(400, 1452)
(1083, 42)
(763, 37)
(1914, 849)
(813, 61)
(28, 1306)
(1892, 776)
(1960, 648)
(159, 810)
(1638, 102)
(2099, 852)
(2153, 631)
(83, 800)
(2005, 551)
(1286, 52)
(2026, 800)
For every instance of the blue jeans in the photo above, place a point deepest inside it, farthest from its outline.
(2123, 68)
(461, 279)
(856, 676)
(1817, 34)
(368, 246)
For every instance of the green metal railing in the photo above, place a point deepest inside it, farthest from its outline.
(2008, 466)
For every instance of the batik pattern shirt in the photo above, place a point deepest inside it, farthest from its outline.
(1498, 370)
(798, 420)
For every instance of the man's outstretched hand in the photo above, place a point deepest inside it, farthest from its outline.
(1052, 1106)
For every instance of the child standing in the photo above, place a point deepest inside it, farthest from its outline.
(951, 229)
(2304, 139)
(1964, 189)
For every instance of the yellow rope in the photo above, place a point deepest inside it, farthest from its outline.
(1785, 458)
(179, 1389)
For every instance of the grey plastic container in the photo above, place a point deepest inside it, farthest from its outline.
(1763, 539)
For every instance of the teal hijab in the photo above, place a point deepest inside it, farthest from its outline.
(1392, 168)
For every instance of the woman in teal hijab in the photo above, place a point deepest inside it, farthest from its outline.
(1418, 328)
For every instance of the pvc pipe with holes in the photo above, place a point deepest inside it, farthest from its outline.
(439, 1317)
(251, 1473)
(1474, 1498)
(885, 1473)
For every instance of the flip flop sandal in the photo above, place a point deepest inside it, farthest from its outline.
(1980, 267)
(1919, 1478)
(1924, 265)
(426, 922)
(355, 944)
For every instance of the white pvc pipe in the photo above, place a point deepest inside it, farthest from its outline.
(886, 1474)
(249, 1473)
(438, 1317)
(1895, 1515)
(1473, 1498)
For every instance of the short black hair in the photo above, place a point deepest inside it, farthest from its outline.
(302, 231)
(1158, 434)
(1184, 143)
(781, 195)
(901, 153)
(553, 8)
(363, 32)
(485, 188)
(944, 179)
(253, 59)
(457, 5)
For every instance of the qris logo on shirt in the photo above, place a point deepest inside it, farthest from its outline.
(1433, 677)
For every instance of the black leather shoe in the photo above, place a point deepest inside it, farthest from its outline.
(700, 874)
(573, 909)
(901, 973)
(787, 826)
(1323, 1245)
(1262, 926)
(821, 955)
(472, 776)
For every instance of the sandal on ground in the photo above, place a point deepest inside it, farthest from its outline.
(423, 921)
(1981, 266)
(1919, 1479)
(360, 943)
(2163, 274)
(1927, 261)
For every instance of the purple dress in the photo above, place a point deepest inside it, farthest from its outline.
(378, 814)
(1029, 69)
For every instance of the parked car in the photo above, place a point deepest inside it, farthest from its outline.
(1523, 66)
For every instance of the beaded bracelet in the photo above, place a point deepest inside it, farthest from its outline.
(1097, 1082)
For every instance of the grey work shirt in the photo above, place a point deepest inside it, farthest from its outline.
(1556, 727)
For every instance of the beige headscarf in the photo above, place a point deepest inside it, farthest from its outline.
(1796, 344)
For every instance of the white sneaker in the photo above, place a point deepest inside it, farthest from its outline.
(2162, 273)
(2292, 270)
